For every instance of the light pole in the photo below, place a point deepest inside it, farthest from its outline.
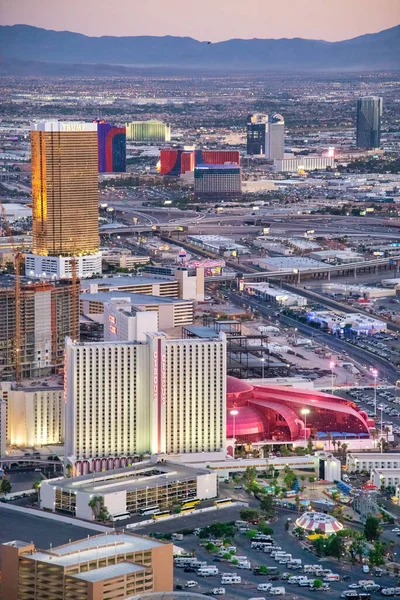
(374, 373)
(381, 407)
(234, 414)
(332, 365)
(305, 412)
(262, 367)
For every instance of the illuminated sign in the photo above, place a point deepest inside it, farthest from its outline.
(155, 377)
(241, 285)
(112, 319)
(113, 329)
(72, 127)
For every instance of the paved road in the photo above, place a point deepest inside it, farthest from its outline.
(43, 532)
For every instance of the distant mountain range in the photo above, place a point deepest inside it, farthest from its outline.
(25, 49)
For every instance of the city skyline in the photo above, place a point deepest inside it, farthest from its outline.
(231, 19)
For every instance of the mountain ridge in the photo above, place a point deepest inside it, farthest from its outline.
(371, 51)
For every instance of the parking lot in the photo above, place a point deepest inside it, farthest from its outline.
(385, 398)
(249, 581)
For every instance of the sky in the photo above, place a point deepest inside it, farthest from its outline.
(213, 20)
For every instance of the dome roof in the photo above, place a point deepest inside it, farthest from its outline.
(314, 520)
(248, 422)
(237, 387)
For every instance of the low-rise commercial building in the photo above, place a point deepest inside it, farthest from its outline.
(274, 295)
(303, 163)
(109, 566)
(337, 257)
(357, 322)
(218, 244)
(288, 263)
(123, 259)
(366, 461)
(385, 477)
(160, 484)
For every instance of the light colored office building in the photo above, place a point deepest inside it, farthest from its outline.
(171, 312)
(125, 399)
(34, 415)
(218, 244)
(366, 461)
(148, 131)
(303, 163)
(64, 200)
(109, 566)
(275, 137)
(130, 489)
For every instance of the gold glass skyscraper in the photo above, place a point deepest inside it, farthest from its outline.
(65, 188)
(65, 205)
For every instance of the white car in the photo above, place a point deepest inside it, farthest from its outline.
(354, 586)
(396, 530)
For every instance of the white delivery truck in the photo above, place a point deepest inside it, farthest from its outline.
(244, 565)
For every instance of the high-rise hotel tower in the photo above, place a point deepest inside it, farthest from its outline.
(65, 200)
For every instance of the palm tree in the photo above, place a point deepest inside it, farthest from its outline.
(344, 449)
(373, 434)
(386, 430)
(329, 438)
(36, 487)
(334, 442)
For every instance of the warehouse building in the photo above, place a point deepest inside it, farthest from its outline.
(366, 461)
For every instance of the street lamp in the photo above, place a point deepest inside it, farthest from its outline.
(374, 373)
(305, 412)
(234, 413)
(381, 407)
(332, 365)
(262, 367)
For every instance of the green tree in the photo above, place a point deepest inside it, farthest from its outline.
(96, 504)
(267, 505)
(372, 529)
(317, 583)
(249, 514)
(249, 475)
(6, 486)
(377, 554)
(319, 545)
(251, 533)
(263, 569)
(335, 546)
(68, 470)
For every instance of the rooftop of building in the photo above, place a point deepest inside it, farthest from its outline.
(134, 299)
(92, 548)
(210, 167)
(7, 280)
(374, 456)
(291, 262)
(123, 280)
(124, 568)
(141, 476)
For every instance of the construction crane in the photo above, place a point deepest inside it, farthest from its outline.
(18, 258)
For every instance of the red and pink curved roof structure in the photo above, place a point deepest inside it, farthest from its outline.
(267, 412)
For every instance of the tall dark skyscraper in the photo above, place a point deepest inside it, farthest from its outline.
(369, 112)
(257, 126)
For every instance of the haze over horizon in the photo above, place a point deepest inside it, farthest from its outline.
(214, 20)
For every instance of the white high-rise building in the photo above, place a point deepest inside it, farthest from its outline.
(275, 137)
(128, 398)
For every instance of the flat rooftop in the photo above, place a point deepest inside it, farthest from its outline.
(134, 299)
(116, 281)
(93, 548)
(124, 568)
(290, 262)
(129, 479)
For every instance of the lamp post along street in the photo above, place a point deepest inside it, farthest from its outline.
(234, 414)
(332, 365)
(305, 412)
